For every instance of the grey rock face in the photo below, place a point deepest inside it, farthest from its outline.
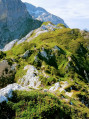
(6, 92)
(42, 15)
(13, 14)
(14, 21)
(11, 11)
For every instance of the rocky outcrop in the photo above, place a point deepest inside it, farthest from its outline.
(31, 79)
(42, 15)
(60, 87)
(55, 87)
(25, 38)
(43, 29)
(11, 11)
(9, 45)
(29, 36)
(6, 92)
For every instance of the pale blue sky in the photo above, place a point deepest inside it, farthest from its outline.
(74, 12)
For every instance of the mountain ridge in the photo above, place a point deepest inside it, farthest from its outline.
(49, 64)
(44, 74)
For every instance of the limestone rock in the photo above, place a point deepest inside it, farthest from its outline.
(63, 85)
(69, 94)
(6, 92)
(9, 45)
(55, 87)
(25, 38)
(31, 79)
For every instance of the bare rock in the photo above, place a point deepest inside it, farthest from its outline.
(31, 79)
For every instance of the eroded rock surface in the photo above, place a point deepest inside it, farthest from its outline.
(31, 79)
(6, 92)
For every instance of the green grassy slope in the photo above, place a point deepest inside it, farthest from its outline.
(67, 59)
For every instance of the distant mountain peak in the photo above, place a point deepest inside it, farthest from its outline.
(42, 15)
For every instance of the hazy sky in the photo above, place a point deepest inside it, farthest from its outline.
(74, 12)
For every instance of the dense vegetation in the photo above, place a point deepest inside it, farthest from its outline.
(66, 59)
(38, 105)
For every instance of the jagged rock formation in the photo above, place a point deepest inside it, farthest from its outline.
(42, 15)
(14, 20)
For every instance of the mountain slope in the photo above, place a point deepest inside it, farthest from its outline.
(42, 15)
(52, 75)
(15, 21)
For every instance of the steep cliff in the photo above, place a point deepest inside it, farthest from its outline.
(14, 21)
